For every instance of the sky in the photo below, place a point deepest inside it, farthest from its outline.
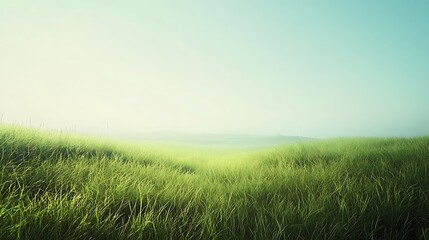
(307, 68)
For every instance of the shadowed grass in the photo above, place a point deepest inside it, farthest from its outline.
(60, 186)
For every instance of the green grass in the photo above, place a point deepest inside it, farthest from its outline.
(61, 186)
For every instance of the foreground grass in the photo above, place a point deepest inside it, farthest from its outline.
(59, 186)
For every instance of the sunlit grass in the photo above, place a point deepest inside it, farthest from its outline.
(60, 186)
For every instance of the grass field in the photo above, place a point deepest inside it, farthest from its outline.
(62, 186)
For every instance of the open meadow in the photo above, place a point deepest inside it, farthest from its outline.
(65, 186)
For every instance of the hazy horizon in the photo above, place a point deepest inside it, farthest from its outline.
(321, 69)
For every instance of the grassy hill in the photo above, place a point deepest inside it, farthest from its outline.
(61, 186)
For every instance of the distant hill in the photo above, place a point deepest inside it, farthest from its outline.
(221, 140)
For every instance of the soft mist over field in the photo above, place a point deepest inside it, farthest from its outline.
(207, 120)
(319, 69)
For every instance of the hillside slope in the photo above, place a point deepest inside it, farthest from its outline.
(60, 186)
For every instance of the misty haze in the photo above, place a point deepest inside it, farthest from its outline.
(214, 120)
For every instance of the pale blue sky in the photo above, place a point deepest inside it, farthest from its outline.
(311, 68)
